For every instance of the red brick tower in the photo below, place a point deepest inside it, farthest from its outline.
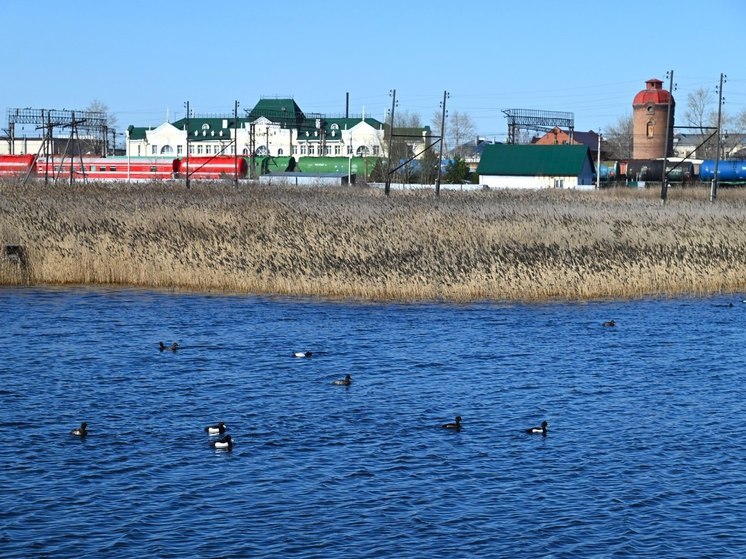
(650, 118)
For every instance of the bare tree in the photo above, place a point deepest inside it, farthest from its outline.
(435, 121)
(741, 122)
(698, 109)
(111, 121)
(459, 129)
(701, 117)
(619, 138)
(407, 127)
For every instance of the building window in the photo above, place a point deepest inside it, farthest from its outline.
(650, 128)
(167, 150)
(311, 150)
(295, 150)
(205, 126)
(337, 150)
(349, 150)
(208, 149)
(179, 149)
(303, 149)
(138, 151)
(199, 149)
(280, 152)
(326, 150)
(376, 149)
(154, 150)
(191, 149)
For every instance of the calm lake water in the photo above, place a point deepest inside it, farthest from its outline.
(644, 457)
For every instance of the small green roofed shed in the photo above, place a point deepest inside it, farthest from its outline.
(536, 166)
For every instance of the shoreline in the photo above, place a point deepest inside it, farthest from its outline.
(357, 244)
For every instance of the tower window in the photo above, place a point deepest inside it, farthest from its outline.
(650, 129)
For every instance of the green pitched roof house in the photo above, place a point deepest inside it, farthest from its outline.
(532, 166)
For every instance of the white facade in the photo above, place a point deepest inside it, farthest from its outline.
(536, 183)
(166, 141)
(269, 139)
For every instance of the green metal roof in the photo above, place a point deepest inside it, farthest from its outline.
(197, 123)
(137, 132)
(281, 111)
(532, 160)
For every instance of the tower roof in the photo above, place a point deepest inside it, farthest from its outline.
(653, 93)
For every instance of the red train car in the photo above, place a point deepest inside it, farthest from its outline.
(217, 167)
(135, 169)
(124, 169)
(17, 165)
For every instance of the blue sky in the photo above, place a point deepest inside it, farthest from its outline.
(145, 59)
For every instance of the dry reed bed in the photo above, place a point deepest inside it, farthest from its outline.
(357, 243)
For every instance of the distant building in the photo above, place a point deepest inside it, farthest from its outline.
(651, 121)
(532, 166)
(274, 127)
(471, 152)
(704, 146)
(557, 136)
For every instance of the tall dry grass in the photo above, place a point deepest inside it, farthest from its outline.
(355, 242)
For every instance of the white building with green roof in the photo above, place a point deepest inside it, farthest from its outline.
(274, 127)
(536, 166)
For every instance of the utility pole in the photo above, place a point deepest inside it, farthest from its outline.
(187, 144)
(442, 141)
(598, 163)
(714, 186)
(387, 188)
(235, 143)
(252, 149)
(669, 125)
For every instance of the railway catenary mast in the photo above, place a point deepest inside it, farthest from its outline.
(533, 119)
(92, 124)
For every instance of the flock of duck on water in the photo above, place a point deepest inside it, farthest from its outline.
(225, 442)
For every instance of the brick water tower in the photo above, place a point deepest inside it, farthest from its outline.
(650, 119)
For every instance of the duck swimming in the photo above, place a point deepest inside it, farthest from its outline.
(226, 443)
(217, 429)
(456, 425)
(173, 347)
(347, 381)
(539, 430)
(81, 431)
(302, 354)
(609, 323)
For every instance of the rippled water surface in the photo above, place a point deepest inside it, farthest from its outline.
(644, 457)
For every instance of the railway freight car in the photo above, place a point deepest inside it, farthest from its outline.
(731, 171)
(652, 170)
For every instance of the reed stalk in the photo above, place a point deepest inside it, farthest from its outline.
(358, 243)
